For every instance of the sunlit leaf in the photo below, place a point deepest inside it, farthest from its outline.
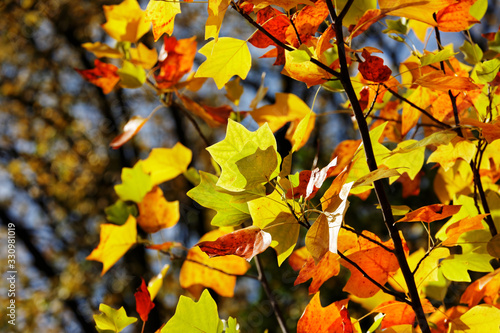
(373, 68)
(164, 164)
(104, 75)
(111, 320)
(135, 183)
(431, 213)
(143, 301)
(418, 10)
(126, 22)
(101, 50)
(156, 282)
(156, 213)
(176, 60)
(119, 212)
(216, 11)
(131, 128)
(162, 15)
(443, 82)
(327, 267)
(456, 17)
(115, 241)
(226, 57)
(317, 318)
(481, 318)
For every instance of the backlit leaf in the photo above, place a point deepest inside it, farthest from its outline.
(321, 319)
(486, 288)
(490, 131)
(131, 76)
(310, 182)
(285, 4)
(226, 57)
(126, 22)
(135, 183)
(373, 68)
(115, 241)
(104, 75)
(430, 213)
(327, 267)
(438, 81)
(191, 316)
(164, 164)
(143, 57)
(245, 243)
(418, 10)
(196, 273)
(481, 318)
(216, 11)
(131, 128)
(156, 213)
(156, 282)
(456, 17)
(111, 320)
(143, 302)
(119, 212)
(178, 61)
(456, 266)
(447, 155)
(101, 50)
(162, 15)
(399, 313)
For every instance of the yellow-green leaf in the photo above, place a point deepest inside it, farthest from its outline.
(111, 320)
(167, 163)
(131, 76)
(135, 184)
(225, 58)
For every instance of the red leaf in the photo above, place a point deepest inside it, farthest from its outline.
(373, 68)
(131, 128)
(179, 60)
(321, 319)
(431, 213)
(311, 181)
(245, 243)
(167, 246)
(306, 23)
(346, 320)
(103, 75)
(143, 302)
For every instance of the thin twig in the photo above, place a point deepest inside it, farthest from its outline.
(388, 249)
(399, 295)
(174, 257)
(193, 121)
(267, 289)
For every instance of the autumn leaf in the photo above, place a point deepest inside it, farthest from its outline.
(226, 57)
(191, 316)
(143, 56)
(159, 164)
(298, 67)
(421, 97)
(216, 11)
(490, 131)
(418, 10)
(101, 50)
(245, 243)
(104, 75)
(485, 288)
(327, 267)
(272, 215)
(135, 183)
(213, 116)
(317, 318)
(162, 15)
(285, 4)
(156, 213)
(111, 320)
(126, 22)
(131, 76)
(370, 17)
(143, 302)
(437, 80)
(156, 282)
(456, 17)
(399, 313)
(455, 230)
(431, 213)
(115, 241)
(196, 272)
(131, 128)
(373, 68)
(178, 61)
(481, 318)
(276, 23)
(306, 23)
(310, 182)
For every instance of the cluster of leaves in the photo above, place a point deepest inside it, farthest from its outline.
(255, 192)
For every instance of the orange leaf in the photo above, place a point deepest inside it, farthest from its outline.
(418, 10)
(213, 116)
(115, 241)
(399, 313)
(369, 17)
(439, 81)
(486, 288)
(345, 153)
(306, 23)
(131, 128)
(431, 213)
(346, 320)
(156, 213)
(196, 273)
(327, 267)
(321, 319)
(456, 17)
(490, 131)
(178, 61)
(104, 75)
(143, 302)
(455, 230)
(373, 68)
(166, 247)
(275, 22)
(373, 259)
(245, 243)
(410, 187)
(162, 15)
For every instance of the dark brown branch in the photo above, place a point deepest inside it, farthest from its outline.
(398, 295)
(267, 289)
(345, 79)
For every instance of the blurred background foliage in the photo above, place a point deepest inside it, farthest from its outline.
(57, 171)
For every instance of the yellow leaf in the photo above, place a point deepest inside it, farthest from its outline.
(156, 282)
(302, 131)
(126, 22)
(225, 58)
(447, 155)
(101, 50)
(285, 4)
(162, 15)
(196, 273)
(156, 213)
(115, 241)
(216, 11)
(167, 163)
(304, 71)
(418, 10)
(481, 318)
(144, 57)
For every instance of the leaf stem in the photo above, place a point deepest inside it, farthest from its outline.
(267, 289)
(345, 79)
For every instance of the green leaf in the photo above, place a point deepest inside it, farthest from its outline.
(131, 76)
(238, 144)
(456, 266)
(228, 213)
(444, 54)
(225, 58)
(258, 167)
(119, 212)
(396, 26)
(302, 54)
(135, 184)
(478, 9)
(111, 320)
(487, 71)
(438, 138)
(272, 215)
(494, 45)
(232, 326)
(356, 11)
(473, 53)
(195, 317)
(376, 323)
